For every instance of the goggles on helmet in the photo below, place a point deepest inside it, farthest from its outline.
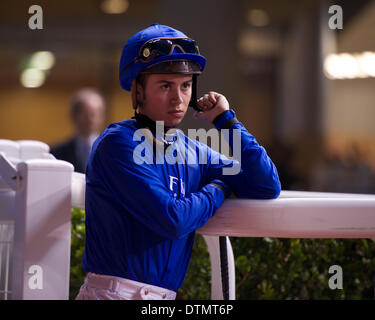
(174, 66)
(157, 47)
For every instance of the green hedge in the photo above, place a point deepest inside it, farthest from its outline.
(77, 275)
(267, 268)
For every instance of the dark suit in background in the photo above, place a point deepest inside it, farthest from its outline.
(68, 151)
(87, 113)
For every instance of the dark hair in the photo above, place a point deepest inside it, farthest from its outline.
(79, 99)
(142, 79)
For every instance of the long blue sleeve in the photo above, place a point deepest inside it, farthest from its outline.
(257, 176)
(140, 189)
(141, 218)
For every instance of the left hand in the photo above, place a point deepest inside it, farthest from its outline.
(212, 104)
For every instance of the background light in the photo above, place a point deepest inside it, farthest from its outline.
(32, 78)
(350, 66)
(35, 68)
(367, 63)
(114, 6)
(258, 18)
(42, 60)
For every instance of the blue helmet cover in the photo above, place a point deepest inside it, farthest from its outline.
(134, 44)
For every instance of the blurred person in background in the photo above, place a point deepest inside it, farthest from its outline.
(87, 112)
(347, 172)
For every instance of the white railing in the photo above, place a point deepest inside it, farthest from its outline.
(35, 218)
(36, 197)
(6, 248)
(295, 214)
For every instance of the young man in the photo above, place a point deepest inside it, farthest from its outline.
(141, 212)
(87, 113)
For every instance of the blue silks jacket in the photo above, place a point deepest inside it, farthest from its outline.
(141, 217)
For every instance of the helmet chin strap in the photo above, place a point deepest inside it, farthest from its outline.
(193, 99)
(134, 95)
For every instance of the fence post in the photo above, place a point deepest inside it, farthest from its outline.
(212, 243)
(42, 230)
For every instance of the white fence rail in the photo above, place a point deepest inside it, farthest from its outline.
(296, 215)
(37, 193)
(35, 202)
